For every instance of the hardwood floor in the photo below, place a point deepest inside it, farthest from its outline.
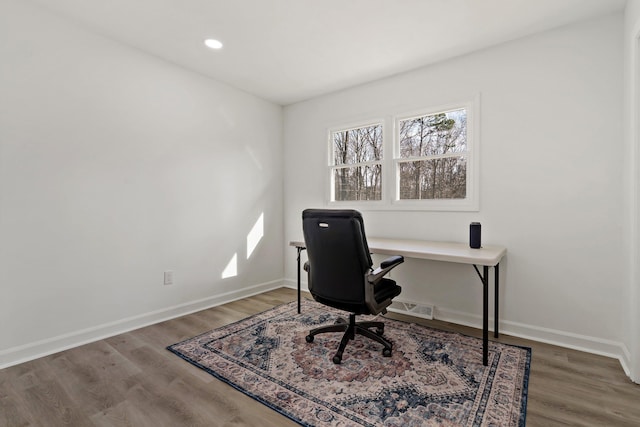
(131, 380)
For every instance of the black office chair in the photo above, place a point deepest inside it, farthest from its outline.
(340, 274)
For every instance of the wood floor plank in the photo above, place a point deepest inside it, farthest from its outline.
(12, 410)
(49, 404)
(125, 414)
(132, 380)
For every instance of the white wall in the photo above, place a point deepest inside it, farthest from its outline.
(551, 181)
(632, 139)
(114, 167)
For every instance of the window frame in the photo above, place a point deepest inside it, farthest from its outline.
(471, 201)
(332, 166)
(390, 185)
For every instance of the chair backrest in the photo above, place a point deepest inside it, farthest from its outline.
(338, 256)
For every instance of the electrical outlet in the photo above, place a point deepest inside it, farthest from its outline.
(168, 277)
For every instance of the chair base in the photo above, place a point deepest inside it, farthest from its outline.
(350, 330)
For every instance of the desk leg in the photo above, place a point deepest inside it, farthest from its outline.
(485, 316)
(299, 250)
(496, 272)
(484, 277)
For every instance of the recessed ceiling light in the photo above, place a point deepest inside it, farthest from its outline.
(213, 44)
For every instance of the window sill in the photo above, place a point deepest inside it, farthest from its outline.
(408, 205)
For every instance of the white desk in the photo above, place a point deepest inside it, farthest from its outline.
(487, 256)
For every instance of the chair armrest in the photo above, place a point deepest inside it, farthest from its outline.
(385, 266)
(392, 261)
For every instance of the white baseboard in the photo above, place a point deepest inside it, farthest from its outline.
(589, 344)
(586, 343)
(31, 351)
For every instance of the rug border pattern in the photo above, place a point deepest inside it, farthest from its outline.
(479, 415)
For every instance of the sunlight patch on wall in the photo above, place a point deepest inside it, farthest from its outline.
(231, 270)
(255, 235)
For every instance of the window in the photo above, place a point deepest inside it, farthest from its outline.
(426, 160)
(356, 166)
(432, 161)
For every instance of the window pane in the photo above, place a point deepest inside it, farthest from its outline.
(357, 145)
(434, 135)
(358, 183)
(444, 178)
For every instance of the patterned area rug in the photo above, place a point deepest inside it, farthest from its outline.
(433, 377)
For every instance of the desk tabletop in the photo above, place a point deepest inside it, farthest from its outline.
(489, 255)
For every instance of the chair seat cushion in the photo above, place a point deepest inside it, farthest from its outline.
(386, 289)
(351, 307)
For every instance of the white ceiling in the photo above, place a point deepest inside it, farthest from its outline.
(291, 50)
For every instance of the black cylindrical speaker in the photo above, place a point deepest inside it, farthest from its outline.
(475, 235)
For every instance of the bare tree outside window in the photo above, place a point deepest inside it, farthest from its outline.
(357, 163)
(433, 161)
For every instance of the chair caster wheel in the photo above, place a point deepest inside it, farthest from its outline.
(309, 338)
(386, 352)
(337, 359)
